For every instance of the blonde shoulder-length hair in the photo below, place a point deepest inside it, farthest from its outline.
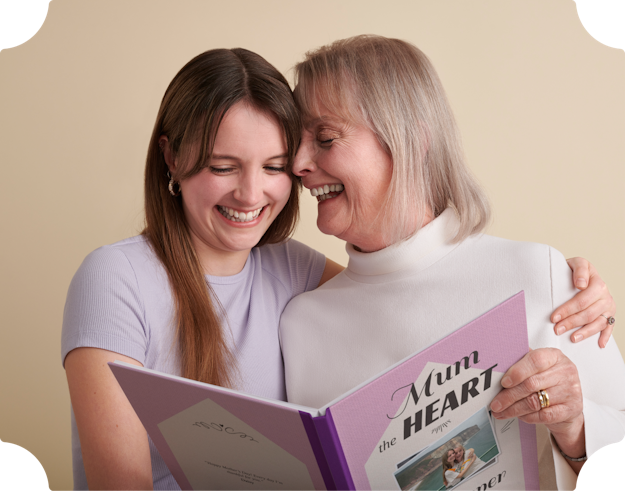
(390, 86)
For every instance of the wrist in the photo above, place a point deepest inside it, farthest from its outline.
(571, 438)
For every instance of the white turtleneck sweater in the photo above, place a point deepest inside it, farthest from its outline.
(392, 303)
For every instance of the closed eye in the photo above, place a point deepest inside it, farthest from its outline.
(325, 143)
(221, 170)
(276, 168)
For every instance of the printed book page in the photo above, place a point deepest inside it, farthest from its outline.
(216, 438)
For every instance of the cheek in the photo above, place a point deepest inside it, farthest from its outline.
(281, 190)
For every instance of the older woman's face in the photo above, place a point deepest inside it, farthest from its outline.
(334, 153)
(459, 454)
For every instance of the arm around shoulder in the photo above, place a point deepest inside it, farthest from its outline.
(330, 271)
(601, 372)
(115, 448)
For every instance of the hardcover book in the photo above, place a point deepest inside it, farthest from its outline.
(422, 424)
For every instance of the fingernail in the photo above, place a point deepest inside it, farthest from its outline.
(506, 381)
(557, 318)
(495, 406)
(581, 283)
(560, 330)
(577, 337)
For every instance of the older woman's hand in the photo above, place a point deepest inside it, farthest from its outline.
(549, 370)
(590, 308)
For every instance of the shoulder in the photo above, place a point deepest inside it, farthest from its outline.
(115, 265)
(528, 258)
(518, 249)
(506, 255)
(293, 264)
(289, 251)
(120, 256)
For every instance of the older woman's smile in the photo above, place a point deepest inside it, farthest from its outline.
(327, 191)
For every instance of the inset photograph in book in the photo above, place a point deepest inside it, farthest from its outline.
(452, 459)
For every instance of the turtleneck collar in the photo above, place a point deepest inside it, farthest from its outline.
(413, 254)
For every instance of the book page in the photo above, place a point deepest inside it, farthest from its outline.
(216, 438)
(217, 449)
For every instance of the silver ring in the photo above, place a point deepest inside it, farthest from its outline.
(611, 320)
(543, 398)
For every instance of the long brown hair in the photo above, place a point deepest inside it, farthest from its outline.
(190, 114)
(446, 464)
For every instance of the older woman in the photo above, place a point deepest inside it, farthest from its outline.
(378, 125)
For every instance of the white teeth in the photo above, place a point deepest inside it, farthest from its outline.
(323, 192)
(235, 216)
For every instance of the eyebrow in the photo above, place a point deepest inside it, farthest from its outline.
(231, 157)
(325, 118)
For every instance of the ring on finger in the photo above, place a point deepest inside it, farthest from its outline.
(543, 398)
(611, 320)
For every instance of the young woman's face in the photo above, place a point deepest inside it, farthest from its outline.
(334, 153)
(451, 456)
(231, 203)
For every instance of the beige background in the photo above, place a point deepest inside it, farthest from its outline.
(540, 103)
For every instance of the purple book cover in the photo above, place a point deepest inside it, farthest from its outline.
(395, 428)
(388, 433)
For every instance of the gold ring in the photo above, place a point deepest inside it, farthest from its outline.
(543, 397)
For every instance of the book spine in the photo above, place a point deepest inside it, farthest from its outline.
(317, 448)
(333, 451)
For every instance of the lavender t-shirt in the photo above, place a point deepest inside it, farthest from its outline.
(120, 300)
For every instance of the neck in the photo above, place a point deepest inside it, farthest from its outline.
(216, 262)
(375, 242)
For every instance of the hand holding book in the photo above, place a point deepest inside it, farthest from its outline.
(550, 370)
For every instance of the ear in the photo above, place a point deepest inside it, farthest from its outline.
(163, 143)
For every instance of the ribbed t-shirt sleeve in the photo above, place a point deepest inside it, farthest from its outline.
(104, 307)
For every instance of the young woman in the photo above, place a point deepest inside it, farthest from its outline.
(200, 292)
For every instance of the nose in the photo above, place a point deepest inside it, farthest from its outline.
(304, 162)
(249, 190)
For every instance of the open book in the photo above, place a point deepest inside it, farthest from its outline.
(391, 432)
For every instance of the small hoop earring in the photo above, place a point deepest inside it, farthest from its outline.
(172, 183)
